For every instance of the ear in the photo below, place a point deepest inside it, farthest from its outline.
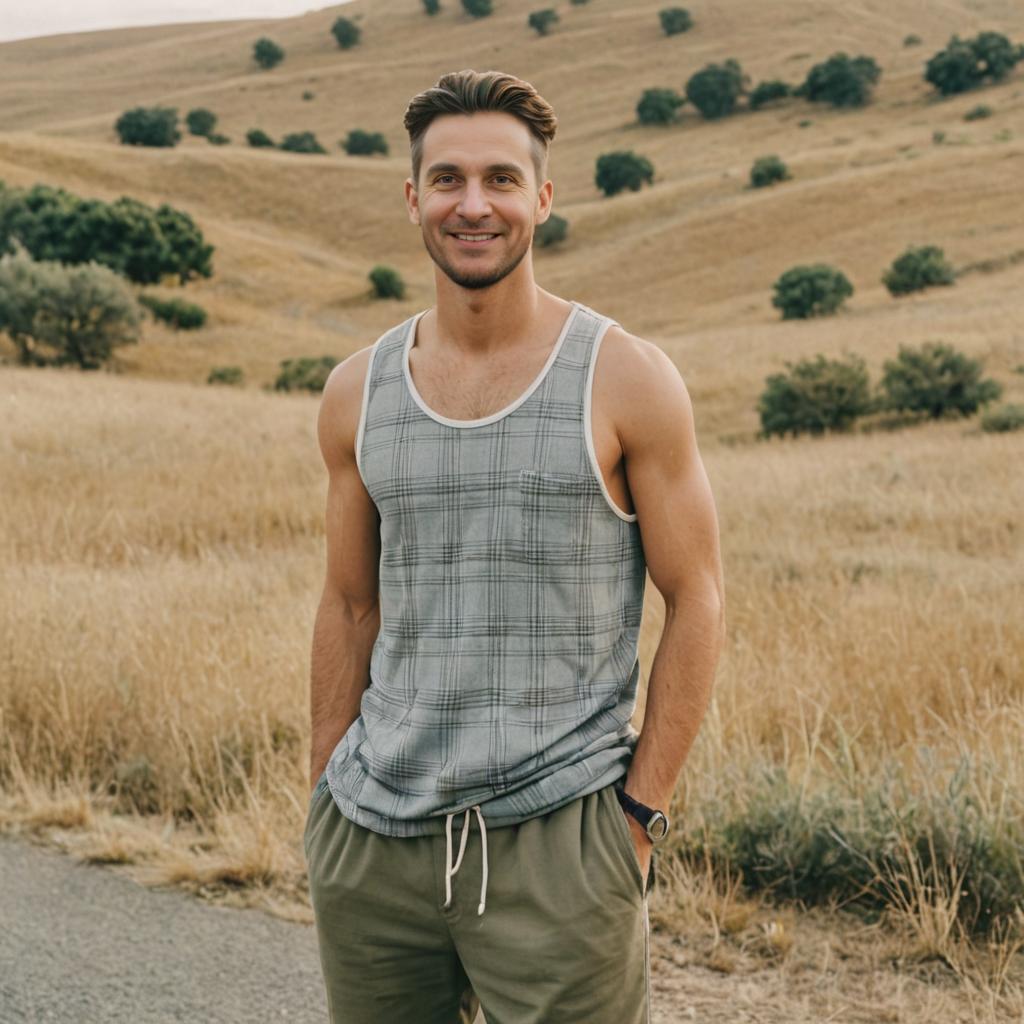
(412, 201)
(545, 197)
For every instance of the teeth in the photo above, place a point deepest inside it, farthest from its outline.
(474, 238)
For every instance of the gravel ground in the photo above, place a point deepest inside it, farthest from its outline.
(81, 943)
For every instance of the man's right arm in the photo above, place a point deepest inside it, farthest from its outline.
(348, 618)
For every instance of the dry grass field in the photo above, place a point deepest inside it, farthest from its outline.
(161, 541)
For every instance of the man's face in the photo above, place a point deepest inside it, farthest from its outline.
(477, 177)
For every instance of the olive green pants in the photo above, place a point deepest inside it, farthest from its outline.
(564, 936)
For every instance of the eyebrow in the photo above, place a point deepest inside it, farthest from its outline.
(493, 169)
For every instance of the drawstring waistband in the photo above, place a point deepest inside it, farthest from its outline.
(450, 869)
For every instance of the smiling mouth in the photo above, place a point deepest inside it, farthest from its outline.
(473, 239)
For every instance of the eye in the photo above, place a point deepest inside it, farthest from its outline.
(505, 176)
(440, 176)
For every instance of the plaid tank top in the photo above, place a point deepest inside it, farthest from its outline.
(511, 586)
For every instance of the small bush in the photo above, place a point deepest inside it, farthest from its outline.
(307, 95)
(911, 40)
(815, 395)
(811, 290)
(387, 283)
(658, 106)
(542, 21)
(226, 375)
(578, 3)
(478, 8)
(715, 89)
(200, 121)
(917, 269)
(767, 170)
(431, 6)
(675, 20)
(935, 380)
(841, 80)
(148, 126)
(360, 143)
(345, 32)
(302, 142)
(552, 231)
(307, 373)
(259, 138)
(622, 169)
(978, 112)
(181, 315)
(1003, 418)
(938, 137)
(766, 92)
(966, 63)
(267, 53)
(217, 139)
(59, 315)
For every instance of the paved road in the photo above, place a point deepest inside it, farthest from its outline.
(82, 944)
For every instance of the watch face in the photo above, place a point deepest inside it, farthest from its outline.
(657, 826)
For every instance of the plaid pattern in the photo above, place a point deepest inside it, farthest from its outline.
(505, 671)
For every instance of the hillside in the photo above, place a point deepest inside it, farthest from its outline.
(688, 262)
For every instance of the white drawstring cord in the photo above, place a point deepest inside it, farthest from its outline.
(450, 868)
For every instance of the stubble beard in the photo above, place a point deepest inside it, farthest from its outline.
(474, 279)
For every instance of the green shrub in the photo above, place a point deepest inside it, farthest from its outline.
(346, 32)
(179, 314)
(911, 40)
(965, 63)
(815, 395)
(387, 283)
(478, 8)
(916, 269)
(938, 137)
(811, 290)
(841, 80)
(542, 21)
(578, 3)
(307, 95)
(675, 20)
(259, 138)
(267, 53)
(59, 315)
(552, 231)
(217, 139)
(622, 169)
(200, 121)
(658, 106)
(360, 143)
(935, 380)
(226, 375)
(432, 6)
(1003, 418)
(307, 373)
(302, 142)
(766, 92)
(148, 126)
(767, 170)
(978, 112)
(127, 236)
(715, 89)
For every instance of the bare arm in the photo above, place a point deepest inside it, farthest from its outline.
(679, 527)
(348, 618)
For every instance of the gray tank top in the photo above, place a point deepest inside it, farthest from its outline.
(511, 587)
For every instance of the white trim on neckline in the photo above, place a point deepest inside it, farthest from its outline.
(495, 416)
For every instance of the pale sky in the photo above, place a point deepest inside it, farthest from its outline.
(20, 19)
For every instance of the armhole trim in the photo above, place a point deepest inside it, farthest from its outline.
(588, 432)
(361, 427)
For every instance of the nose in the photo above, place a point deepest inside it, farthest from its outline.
(474, 203)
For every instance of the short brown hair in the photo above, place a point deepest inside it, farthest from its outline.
(466, 92)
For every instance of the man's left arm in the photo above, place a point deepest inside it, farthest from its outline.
(679, 528)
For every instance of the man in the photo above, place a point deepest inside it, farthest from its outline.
(504, 468)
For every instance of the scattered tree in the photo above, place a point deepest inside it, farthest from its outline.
(935, 380)
(542, 21)
(259, 138)
(811, 290)
(965, 63)
(478, 8)
(148, 126)
(675, 20)
(307, 373)
(217, 139)
(917, 269)
(841, 80)
(267, 53)
(815, 395)
(767, 170)
(715, 89)
(766, 92)
(200, 121)
(58, 315)
(621, 170)
(179, 314)
(346, 32)
(387, 283)
(658, 106)
(432, 6)
(302, 142)
(360, 143)
(552, 231)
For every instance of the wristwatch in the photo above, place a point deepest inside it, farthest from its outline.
(655, 823)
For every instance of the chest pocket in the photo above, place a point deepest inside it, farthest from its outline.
(555, 516)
